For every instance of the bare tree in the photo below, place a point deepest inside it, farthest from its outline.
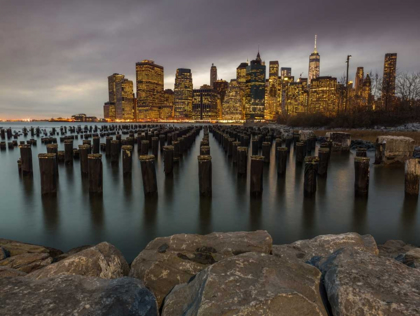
(407, 88)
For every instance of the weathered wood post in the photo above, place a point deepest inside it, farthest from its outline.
(95, 149)
(204, 175)
(324, 156)
(144, 147)
(127, 154)
(255, 144)
(361, 180)
(289, 140)
(26, 159)
(48, 176)
(53, 149)
(155, 146)
(83, 154)
(378, 153)
(68, 151)
(266, 148)
(361, 152)
(412, 176)
(176, 150)
(205, 150)
(148, 172)
(115, 150)
(281, 160)
(235, 146)
(242, 160)
(311, 171)
(300, 151)
(108, 141)
(95, 173)
(257, 168)
(168, 158)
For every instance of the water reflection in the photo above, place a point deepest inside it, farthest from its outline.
(128, 186)
(359, 214)
(96, 203)
(205, 223)
(255, 211)
(150, 214)
(28, 189)
(51, 212)
(308, 216)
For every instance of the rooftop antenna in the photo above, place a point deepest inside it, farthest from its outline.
(315, 51)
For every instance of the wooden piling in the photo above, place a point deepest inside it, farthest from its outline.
(282, 153)
(155, 146)
(108, 146)
(323, 155)
(95, 148)
(311, 172)
(412, 176)
(26, 159)
(95, 173)
(242, 160)
(168, 158)
(205, 175)
(361, 181)
(300, 152)
(361, 152)
(53, 149)
(266, 148)
(48, 176)
(205, 150)
(144, 150)
(257, 168)
(83, 154)
(148, 172)
(127, 160)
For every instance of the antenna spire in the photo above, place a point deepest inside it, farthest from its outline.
(315, 51)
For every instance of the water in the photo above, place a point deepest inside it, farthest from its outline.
(123, 217)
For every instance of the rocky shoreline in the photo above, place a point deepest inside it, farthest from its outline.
(237, 273)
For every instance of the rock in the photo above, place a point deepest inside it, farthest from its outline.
(168, 261)
(4, 253)
(17, 248)
(27, 262)
(360, 283)
(103, 260)
(394, 248)
(71, 252)
(249, 284)
(412, 258)
(9, 272)
(75, 295)
(324, 245)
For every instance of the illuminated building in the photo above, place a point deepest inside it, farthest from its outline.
(232, 105)
(388, 80)
(125, 99)
(314, 64)
(213, 75)
(241, 80)
(221, 86)
(183, 94)
(149, 77)
(283, 84)
(271, 98)
(255, 90)
(111, 105)
(323, 96)
(366, 92)
(297, 97)
(286, 72)
(358, 82)
(206, 103)
(168, 97)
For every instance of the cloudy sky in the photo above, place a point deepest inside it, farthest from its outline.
(55, 55)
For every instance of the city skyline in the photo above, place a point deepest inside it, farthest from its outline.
(65, 55)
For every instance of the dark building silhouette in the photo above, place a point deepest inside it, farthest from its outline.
(255, 90)
(388, 80)
(213, 75)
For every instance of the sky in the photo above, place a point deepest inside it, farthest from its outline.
(55, 56)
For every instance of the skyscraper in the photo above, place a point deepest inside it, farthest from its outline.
(255, 90)
(323, 96)
(183, 94)
(271, 102)
(314, 64)
(125, 99)
(366, 92)
(286, 72)
(388, 81)
(221, 87)
(358, 82)
(206, 103)
(149, 77)
(213, 74)
(241, 80)
(110, 107)
(232, 105)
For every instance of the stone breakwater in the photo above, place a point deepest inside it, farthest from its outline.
(237, 273)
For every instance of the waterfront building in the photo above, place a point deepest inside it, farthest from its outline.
(255, 90)
(183, 94)
(323, 96)
(125, 99)
(213, 75)
(388, 80)
(271, 99)
(297, 97)
(109, 111)
(112, 96)
(314, 64)
(241, 80)
(221, 87)
(286, 71)
(149, 78)
(232, 104)
(206, 103)
(358, 82)
(284, 82)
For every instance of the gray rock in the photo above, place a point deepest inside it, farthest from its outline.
(9, 272)
(324, 245)
(394, 248)
(71, 252)
(75, 295)
(249, 284)
(27, 262)
(168, 261)
(103, 260)
(359, 283)
(412, 258)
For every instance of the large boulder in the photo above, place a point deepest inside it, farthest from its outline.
(103, 260)
(17, 248)
(249, 284)
(27, 262)
(75, 295)
(360, 283)
(324, 245)
(71, 252)
(168, 261)
(9, 272)
(394, 248)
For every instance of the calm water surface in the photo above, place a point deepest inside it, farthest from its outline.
(123, 217)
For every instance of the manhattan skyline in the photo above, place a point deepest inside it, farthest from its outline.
(54, 63)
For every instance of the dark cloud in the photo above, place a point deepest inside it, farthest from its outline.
(56, 55)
